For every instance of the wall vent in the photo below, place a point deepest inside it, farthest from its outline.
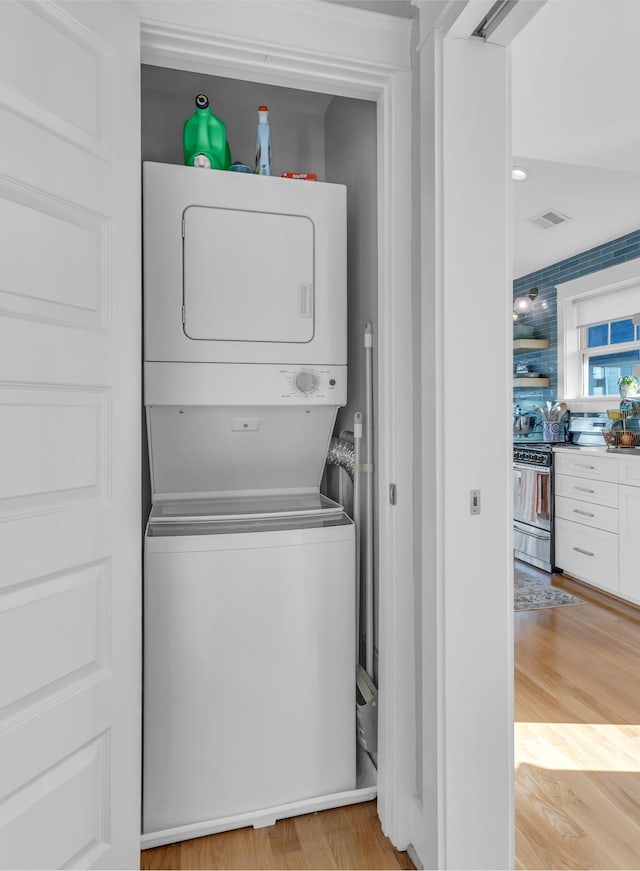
(550, 218)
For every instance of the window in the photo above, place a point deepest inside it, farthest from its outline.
(609, 349)
(598, 335)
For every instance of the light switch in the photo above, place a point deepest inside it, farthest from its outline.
(474, 501)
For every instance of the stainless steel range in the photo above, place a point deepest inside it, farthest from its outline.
(533, 504)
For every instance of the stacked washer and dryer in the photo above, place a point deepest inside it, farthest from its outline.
(249, 575)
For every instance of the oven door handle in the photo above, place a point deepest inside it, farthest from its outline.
(520, 527)
(526, 467)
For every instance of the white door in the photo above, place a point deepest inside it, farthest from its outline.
(69, 436)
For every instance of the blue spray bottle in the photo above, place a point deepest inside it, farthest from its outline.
(263, 142)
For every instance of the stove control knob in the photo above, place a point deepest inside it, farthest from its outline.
(306, 382)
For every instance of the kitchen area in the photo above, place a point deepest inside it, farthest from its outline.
(576, 501)
(576, 298)
(576, 436)
(576, 461)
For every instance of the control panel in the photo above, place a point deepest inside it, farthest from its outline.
(246, 384)
(532, 456)
(321, 383)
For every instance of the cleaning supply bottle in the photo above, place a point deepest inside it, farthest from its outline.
(204, 138)
(263, 142)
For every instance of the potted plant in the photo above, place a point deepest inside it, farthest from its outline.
(628, 385)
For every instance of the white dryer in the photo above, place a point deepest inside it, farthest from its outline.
(241, 268)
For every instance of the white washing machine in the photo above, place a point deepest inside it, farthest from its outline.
(249, 580)
(249, 620)
(249, 652)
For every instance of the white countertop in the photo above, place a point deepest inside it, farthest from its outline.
(598, 450)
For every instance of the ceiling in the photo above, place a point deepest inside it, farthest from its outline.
(576, 127)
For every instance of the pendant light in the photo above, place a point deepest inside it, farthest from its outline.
(524, 304)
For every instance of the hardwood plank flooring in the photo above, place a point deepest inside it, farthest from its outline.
(577, 733)
(340, 838)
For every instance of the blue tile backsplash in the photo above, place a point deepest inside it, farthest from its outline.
(543, 316)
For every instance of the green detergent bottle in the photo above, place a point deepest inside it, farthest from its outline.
(204, 138)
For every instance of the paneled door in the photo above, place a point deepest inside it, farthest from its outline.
(69, 435)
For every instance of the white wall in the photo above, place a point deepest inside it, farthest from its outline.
(350, 150)
(425, 461)
(476, 453)
(466, 444)
(296, 118)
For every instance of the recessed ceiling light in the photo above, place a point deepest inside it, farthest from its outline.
(519, 174)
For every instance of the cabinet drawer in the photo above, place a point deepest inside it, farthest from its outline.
(629, 470)
(586, 465)
(586, 490)
(598, 516)
(588, 554)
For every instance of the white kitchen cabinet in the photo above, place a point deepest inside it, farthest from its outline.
(629, 470)
(597, 511)
(629, 524)
(586, 511)
(588, 554)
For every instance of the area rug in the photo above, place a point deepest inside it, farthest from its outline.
(529, 594)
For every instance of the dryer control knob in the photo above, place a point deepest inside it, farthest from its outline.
(306, 382)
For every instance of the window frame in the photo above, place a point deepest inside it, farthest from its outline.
(614, 282)
(601, 350)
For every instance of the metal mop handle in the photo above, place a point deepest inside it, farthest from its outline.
(368, 527)
(357, 443)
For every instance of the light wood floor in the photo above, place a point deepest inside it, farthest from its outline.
(348, 837)
(577, 734)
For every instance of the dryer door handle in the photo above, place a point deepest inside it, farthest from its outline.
(305, 300)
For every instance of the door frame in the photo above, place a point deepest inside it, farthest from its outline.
(314, 52)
